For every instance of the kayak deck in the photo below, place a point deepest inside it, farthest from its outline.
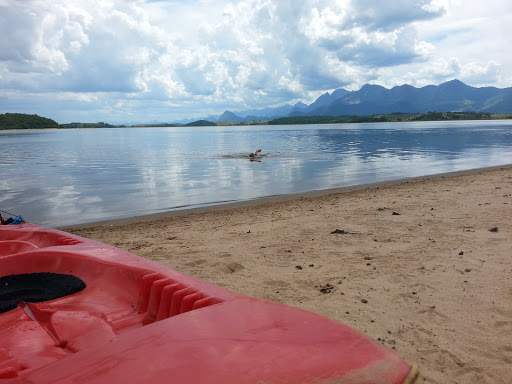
(137, 321)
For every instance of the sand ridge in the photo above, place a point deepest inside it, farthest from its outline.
(422, 265)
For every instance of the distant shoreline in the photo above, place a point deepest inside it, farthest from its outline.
(19, 121)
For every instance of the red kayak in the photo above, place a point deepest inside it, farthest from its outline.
(73, 310)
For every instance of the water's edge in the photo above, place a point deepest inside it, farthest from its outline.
(209, 207)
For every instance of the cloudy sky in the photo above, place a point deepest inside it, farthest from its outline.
(128, 61)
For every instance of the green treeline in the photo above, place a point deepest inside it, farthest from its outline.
(24, 121)
(154, 125)
(329, 119)
(200, 123)
(393, 117)
(101, 124)
(434, 116)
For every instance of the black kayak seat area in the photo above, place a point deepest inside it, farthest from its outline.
(35, 288)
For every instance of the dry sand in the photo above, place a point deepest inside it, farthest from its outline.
(432, 282)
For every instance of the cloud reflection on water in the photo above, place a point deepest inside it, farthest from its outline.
(61, 177)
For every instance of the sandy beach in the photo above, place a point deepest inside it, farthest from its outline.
(422, 265)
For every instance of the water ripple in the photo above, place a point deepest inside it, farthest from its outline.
(57, 177)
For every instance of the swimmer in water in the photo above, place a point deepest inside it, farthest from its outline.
(255, 154)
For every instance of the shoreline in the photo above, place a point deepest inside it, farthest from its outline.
(275, 199)
(421, 265)
(452, 116)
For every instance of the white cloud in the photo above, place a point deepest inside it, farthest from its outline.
(477, 74)
(165, 60)
(74, 96)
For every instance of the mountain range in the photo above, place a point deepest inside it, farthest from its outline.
(452, 96)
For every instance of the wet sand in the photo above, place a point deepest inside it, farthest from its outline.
(422, 265)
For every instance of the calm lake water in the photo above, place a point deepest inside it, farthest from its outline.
(61, 177)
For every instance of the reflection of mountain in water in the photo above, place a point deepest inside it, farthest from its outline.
(370, 143)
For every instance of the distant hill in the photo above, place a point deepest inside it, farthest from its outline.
(262, 114)
(200, 123)
(327, 98)
(231, 117)
(381, 118)
(24, 121)
(371, 99)
(452, 96)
